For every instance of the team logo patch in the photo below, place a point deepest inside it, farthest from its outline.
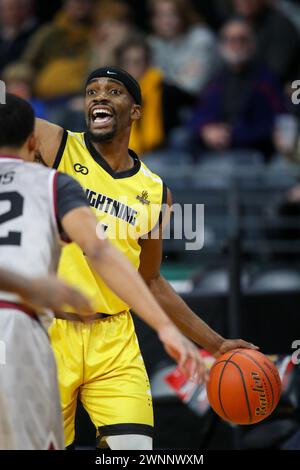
(143, 198)
(81, 169)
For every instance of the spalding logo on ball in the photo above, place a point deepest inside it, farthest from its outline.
(244, 386)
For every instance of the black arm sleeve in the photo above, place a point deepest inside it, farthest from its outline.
(69, 196)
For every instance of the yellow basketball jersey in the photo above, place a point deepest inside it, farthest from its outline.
(127, 205)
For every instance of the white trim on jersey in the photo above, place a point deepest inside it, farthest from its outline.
(9, 160)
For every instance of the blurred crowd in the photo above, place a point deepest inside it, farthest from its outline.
(215, 75)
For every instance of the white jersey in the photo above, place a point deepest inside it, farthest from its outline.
(30, 411)
(29, 238)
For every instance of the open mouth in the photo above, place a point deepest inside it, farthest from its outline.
(101, 115)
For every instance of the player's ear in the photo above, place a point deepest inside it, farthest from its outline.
(136, 112)
(30, 147)
(32, 143)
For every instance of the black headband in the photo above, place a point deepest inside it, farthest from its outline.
(122, 76)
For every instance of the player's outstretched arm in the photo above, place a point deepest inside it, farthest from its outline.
(47, 292)
(184, 318)
(49, 137)
(80, 225)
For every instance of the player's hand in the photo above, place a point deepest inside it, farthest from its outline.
(51, 293)
(183, 352)
(230, 344)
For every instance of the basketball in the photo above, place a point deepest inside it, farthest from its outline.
(243, 386)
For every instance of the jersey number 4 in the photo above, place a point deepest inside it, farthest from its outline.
(16, 202)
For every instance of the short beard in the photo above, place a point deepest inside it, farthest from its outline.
(99, 138)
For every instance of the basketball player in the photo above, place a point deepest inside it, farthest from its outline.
(37, 206)
(126, 198)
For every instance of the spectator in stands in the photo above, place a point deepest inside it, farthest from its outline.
(162, 102)
(18, 79)
(112, 25)
(58, 52)
(17, 24)
(278, 40)
(183, 47)
(240, 105)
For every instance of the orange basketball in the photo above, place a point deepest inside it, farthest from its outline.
(243, 386)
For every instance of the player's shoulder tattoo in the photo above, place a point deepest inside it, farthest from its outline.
(39, 159)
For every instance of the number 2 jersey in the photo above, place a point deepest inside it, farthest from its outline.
(33, 201)
(128, 205)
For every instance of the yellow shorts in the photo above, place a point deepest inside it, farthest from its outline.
(100, 363)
